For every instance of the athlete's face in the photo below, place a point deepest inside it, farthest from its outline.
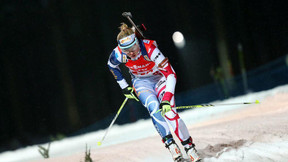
(133, 51)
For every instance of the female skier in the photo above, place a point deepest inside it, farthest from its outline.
(154, 81)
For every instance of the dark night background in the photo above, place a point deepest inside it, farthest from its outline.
(53, 73)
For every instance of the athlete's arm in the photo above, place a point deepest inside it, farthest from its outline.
(166, 69)
(113, 65)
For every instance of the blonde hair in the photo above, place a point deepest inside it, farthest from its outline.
(124, 31)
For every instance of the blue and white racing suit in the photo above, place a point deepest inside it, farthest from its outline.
(153, 80)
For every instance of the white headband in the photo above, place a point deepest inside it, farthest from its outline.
(127, 42)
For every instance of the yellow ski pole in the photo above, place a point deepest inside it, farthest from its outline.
(212, 105)
(124, 102)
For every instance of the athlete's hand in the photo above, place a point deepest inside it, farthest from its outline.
(129, 93)
(164, 107)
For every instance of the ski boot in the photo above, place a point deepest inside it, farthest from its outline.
(192, 153)
(175, 151)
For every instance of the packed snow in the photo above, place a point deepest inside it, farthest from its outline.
(254, 132)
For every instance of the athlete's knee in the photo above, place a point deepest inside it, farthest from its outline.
(172, 115)
(152, 106)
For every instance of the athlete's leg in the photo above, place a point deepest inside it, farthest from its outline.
(177, 124)
(172, 117)
(144, 89)
(181, 132)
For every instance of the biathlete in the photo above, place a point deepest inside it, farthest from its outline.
(154, 81)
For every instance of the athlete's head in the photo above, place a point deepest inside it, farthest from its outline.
(128, 42)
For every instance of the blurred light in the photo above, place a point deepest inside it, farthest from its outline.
(178, 39)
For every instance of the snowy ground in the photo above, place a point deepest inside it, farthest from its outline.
(224, 133)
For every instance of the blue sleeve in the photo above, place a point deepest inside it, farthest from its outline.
(113, 65)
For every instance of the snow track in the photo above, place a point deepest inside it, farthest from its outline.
(248, 133)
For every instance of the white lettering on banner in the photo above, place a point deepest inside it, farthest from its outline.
(140, 66)
(142, 72)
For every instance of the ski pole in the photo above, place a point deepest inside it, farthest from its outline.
(212, 105)
(124, 102)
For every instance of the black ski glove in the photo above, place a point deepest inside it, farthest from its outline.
(129, 93)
